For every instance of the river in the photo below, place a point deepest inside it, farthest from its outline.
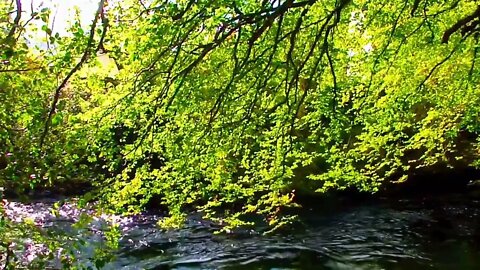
(432, 232)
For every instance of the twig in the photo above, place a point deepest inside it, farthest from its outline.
(16, 21)
(19, 69)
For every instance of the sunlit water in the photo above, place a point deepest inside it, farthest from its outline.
(439, 232)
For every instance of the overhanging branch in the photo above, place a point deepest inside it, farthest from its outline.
(468, 25)
(77, 67)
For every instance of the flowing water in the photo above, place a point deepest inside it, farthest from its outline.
(437, 232)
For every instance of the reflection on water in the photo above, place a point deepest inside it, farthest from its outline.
(434, 233)
(440, 232)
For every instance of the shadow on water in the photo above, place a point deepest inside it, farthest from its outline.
(422, 233)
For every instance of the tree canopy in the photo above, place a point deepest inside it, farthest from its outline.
(235, 107)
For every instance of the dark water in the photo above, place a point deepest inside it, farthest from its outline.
(441, 232)
(432, 232)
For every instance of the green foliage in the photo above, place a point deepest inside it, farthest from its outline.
(242, 128)
(233, 108)
(28, 75)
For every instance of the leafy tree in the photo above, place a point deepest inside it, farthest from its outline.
(29, 70)
(240, 104)
(233, 107)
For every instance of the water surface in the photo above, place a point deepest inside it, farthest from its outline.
(441, 232)
(431, 232)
